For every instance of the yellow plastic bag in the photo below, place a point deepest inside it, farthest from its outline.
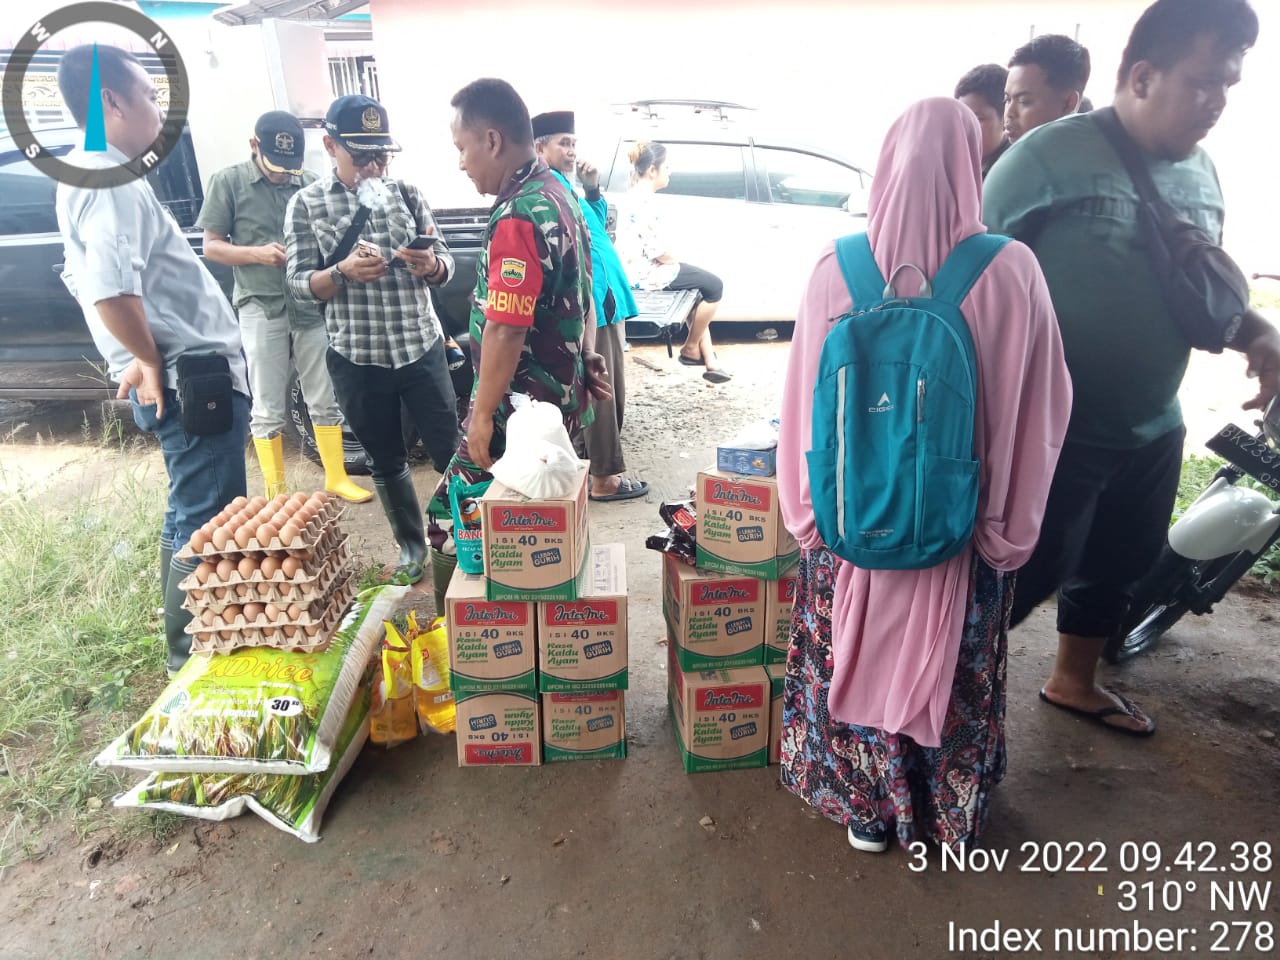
(391, 714)
(431, 690)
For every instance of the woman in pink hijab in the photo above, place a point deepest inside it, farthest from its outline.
(893, 717)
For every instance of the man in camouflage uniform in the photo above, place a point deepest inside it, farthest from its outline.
(532, 323)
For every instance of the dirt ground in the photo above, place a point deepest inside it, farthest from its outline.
(421, 858)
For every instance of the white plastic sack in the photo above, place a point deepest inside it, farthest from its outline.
(535, 421)
(540, 470)
(761, 435)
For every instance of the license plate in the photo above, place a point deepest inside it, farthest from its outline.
(1248, 452)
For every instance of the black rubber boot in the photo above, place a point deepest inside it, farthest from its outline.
(400, 504)
(166, 558)
(175, 618)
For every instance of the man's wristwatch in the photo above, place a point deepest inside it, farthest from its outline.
(337, 276)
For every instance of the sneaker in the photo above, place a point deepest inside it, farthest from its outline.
(869, 837)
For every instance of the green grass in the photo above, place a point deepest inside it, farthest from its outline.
(80, 651)
(1197, 473)
(1265, 294)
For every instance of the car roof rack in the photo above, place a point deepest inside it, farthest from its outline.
(716, 108)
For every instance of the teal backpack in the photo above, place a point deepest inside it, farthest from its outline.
(892, 473)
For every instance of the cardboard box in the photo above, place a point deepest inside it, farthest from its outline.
(534, 549)
(492, 643)
(582, 644)
(721, 717)
(584, 726)
(780, 600)
(777, 672)
(713, 620)
(751, 463)
(740, 527)
(499, 729)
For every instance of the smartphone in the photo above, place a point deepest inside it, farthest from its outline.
(423, 241)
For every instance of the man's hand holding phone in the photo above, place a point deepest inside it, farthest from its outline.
(419, 257)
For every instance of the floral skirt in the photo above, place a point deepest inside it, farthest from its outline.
(858, 775)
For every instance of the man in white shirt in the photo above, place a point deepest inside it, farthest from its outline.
(149, 301)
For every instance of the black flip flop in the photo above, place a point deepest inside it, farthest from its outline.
(1127, 709)
(717, 376)
(689, 362)
(628, 489)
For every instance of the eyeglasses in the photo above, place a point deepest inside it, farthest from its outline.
(365, 158)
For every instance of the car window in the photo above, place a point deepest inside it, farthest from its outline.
(706, 170)
(807, 180)
(26, 195)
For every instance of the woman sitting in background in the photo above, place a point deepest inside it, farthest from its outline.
(652, 266)
(893, 706)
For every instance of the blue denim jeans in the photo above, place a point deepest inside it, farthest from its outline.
(205, 473)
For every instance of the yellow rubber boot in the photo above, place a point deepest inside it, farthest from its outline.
(336, 481)
(271, 460)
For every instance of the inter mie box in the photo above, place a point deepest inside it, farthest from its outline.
(721, 717)
(740, 527)
(534, 549)
(492, 643)
(584, 726)
(714, 620)
(499, 730)
(781, 600)
(777, 674)
(582, 644)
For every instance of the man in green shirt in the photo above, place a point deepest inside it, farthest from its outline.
(243, 221)
(1064, 191)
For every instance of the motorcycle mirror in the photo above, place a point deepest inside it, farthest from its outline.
(1271, 424)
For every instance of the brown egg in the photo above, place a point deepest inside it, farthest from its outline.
(220, 593)
(221, 537)
(279, 500)
(247, 567)
(290, 566)
(243, 536)
(264, 589)
(311, 629)
(231, 611)
(207, 617)
(199, 540)
(273, 613)
(209, 527)
(226, 569)
(280, 518)
(298, 498)
(205, 571)
(222, 517)
(257, 503)
(252, 611)
(196, 594)
(289, 630)
(266, 533)
(295, 611)
(289, 533)
(270, 566)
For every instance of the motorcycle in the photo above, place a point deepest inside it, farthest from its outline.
(1214, 543)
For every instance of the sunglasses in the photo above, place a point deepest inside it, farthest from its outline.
(365, 158)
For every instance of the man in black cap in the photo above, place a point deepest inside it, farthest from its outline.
(347, 245)
(557, 146)
(243, 221)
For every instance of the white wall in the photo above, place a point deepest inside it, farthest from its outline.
(834, 75)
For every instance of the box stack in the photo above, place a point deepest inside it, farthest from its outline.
(730, 616)
(538, 642)
(272, 574)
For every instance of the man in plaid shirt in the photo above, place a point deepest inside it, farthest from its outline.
(386, 347)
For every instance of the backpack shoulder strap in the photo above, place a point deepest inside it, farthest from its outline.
(348, 241)
(861, 274)
(1128, 151)
(964, 265)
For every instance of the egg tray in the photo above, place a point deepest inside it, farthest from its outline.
(263, 634)
(303, 588)
(303, 545)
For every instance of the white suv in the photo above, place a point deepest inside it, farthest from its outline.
(754, 210)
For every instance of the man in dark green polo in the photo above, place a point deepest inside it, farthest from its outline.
(243, 221)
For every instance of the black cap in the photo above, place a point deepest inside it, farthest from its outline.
(281, 142)
(557, 121)
(359, 123)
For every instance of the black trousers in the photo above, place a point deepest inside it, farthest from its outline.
(1105, 523)
(371, 398)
